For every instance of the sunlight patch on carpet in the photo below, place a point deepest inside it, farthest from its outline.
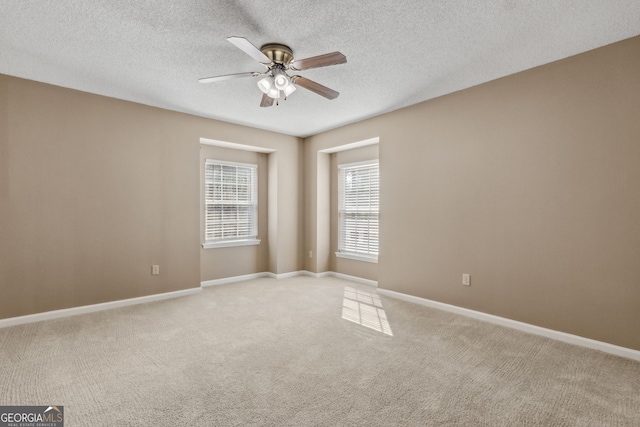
(365, 308)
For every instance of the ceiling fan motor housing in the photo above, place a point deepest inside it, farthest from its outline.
(278, 53)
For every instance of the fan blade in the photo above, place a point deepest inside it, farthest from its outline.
(315, 87)
(267, 101)
(333, 58)
(246, 46)
(226, 77)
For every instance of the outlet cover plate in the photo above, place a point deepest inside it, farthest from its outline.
(466, 279)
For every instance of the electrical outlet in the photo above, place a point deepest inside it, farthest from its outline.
(155, 270)
(310, 254)
(466, 279)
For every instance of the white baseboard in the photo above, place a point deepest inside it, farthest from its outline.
(329, 274)
(291, 274)
(311, 274)
(234, 279)
(352, 278)
(521, 326)
(56, 314)
(267, 274)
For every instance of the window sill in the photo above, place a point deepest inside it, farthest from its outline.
(357, 257)
(230, 243)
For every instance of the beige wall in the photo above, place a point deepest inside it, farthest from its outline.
(95, 190)
(530, 183)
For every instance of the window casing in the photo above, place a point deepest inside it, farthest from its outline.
(231, 204)
(358, 211)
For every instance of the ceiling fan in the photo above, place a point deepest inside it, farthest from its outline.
(278, 60)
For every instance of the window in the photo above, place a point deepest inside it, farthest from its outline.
(358, 205)
(231, 204)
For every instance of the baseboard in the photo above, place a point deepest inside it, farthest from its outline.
(521, 326)
(56, 314)
(291, 274)
(311, 274)
(327, 274)
(234, 279)
(352, 278)
(267, 274)
(307, 273)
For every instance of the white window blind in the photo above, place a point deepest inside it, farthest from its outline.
(231, 201)
(358, 208)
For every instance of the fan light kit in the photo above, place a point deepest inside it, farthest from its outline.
(278, 59)
(278, 81)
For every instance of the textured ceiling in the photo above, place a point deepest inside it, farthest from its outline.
(399, 52)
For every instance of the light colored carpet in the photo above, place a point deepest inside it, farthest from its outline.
(279, 353)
